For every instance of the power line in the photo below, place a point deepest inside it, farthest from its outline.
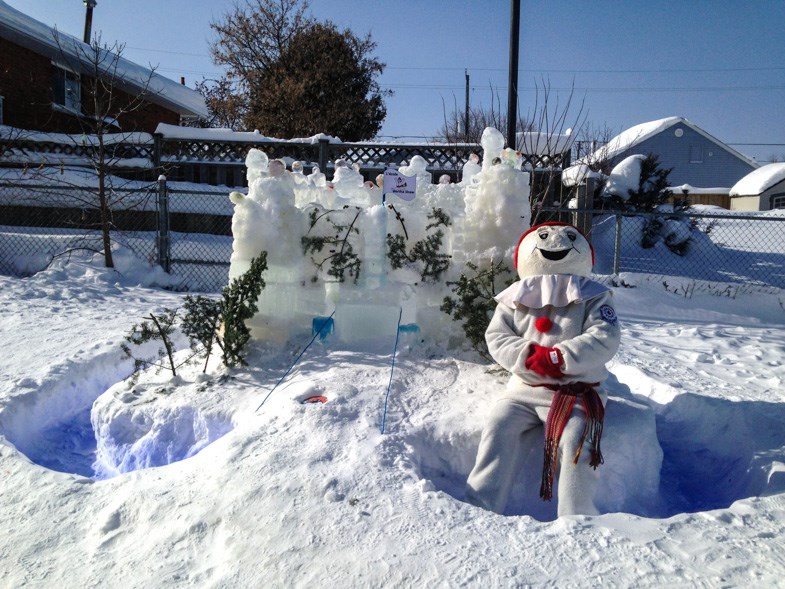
(598, 89)
(527, 70)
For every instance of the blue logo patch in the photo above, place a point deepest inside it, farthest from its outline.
(608, 314)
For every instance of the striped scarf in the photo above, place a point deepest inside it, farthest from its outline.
(558, 415)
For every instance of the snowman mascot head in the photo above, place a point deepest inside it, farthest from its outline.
(553, 248)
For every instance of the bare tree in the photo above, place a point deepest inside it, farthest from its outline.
(557, 121)
(107, 98)
(589, 142)
(226, 103)
(454, 128)
(251, 38)
(254, 34)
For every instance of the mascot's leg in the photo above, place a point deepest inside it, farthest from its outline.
(498, 457)
(576, 482)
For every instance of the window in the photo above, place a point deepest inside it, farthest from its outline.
(778, 201)
(66, 89)
(696, 154)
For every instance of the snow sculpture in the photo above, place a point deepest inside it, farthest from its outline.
(492, 142)
(281, 208)
(470, 169)
(493, 200)
(553, 330)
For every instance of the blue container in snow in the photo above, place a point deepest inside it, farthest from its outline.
(324, 326)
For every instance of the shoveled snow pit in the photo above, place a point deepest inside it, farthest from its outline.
(693, 454)
(99, 432)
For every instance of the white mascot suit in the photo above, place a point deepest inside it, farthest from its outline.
(553, 330)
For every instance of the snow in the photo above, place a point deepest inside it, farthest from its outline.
(624, 177)
(694, 190)
(296, 495)
(13, 133)
(760, 180)
(631, 137)
(537, 143)
(178, 132)
(224, 478)
(575, 175)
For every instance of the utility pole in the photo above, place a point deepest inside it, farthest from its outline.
(512, 87)
(466, 116)
(88, 19)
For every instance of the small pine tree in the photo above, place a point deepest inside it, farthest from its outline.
(341, 259)
(200, 323)
(160, 327)
(653, 186)
(474, 303)
(237, 306)
(426, 253)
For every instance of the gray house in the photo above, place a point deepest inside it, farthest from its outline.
(697, 158)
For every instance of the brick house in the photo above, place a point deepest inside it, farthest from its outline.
(45, 82)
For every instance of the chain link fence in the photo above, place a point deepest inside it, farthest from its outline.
(41, 220)
(725, 249)
(187, 231)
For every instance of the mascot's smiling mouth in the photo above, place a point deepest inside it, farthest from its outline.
(554, 256)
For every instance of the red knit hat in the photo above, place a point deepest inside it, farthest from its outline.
(551, 224)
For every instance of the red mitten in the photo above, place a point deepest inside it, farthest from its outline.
(545, 361)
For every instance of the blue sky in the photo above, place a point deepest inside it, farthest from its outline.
(718, 63)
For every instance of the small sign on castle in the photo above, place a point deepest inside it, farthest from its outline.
(399, 184)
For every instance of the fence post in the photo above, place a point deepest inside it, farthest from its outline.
(324, 154)
(157, 138)
(164, 242)
(617, 246)
(585, 193)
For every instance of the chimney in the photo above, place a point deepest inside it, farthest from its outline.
(88, 19)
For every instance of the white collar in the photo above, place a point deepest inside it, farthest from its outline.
(558, 290)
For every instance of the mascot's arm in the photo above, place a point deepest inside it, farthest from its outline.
(506, 346)
(599, 341)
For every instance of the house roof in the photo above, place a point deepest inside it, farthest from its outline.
(27, 32)
(626, 141)
(759, 181)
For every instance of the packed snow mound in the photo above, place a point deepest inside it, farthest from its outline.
(624, 177)
(154, 423)
(760, 180)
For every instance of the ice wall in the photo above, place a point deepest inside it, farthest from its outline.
(328, 242)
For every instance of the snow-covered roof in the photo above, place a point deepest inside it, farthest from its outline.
(760, 180)
(627, 140)
(576, 174)
(214, 134)
(537, 143)
(36, 36)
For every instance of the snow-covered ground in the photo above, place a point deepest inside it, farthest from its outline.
(294, 495)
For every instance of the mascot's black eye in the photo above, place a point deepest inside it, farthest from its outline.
(543, 234)
(572, 236)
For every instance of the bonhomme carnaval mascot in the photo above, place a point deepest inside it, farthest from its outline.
(553, 330)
